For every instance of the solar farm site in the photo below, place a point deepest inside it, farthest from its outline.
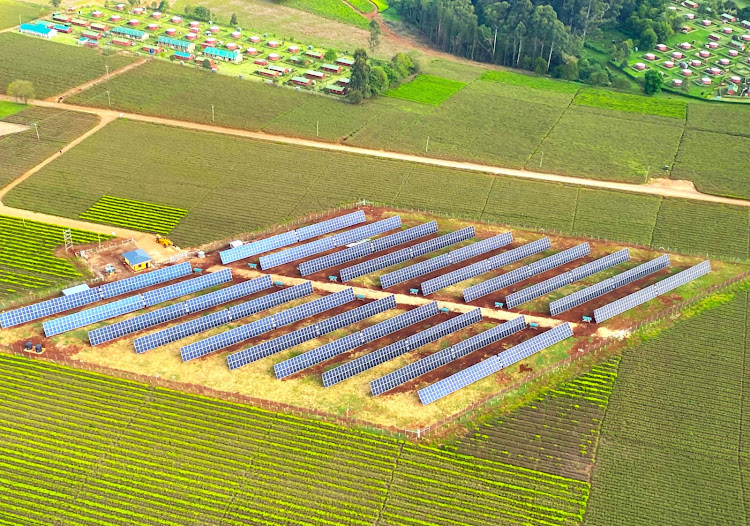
(395, 318)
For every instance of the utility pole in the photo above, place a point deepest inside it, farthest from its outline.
(109, 99)
(36, 128)
(213, 115)
(106, 67)
(541, 160)
(317, 128)
(426, 146)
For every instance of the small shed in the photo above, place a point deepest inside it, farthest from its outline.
(315, 54)
(273, 57)
(714, 37)
(695, 63)
(254, 39)
(677, 82)
(690, 4)
(677, 55)
(268, 73)
(331, 68)
(727, 30)
(191, 36)
(704, 54)
(726, 17)
(138, 11)
(650, 56)
(176, 20)
(80, 22)
(315, 75)
(724, 61)
(214, 29)
(745, 24)
(336, 89)
(115, 18)
(686, 72)
(260, 62)
(183, 56)
(120, 7)
(156, 15)
(293, 49)
(58, 17)
(746, 37)
(272, 43)
(99, 27)
(640, 66)
(668, 64)
(280, 69)
(231, 46)
(706, 81)
(137, 260)
(96, 14)
(661, 47)
(713, 45)
(171, 31)
(236, 34)
(733, 52)
(62, 29)
(301, 81)
(706, 23)
(348, 62)
(736, 79)
(343, 81)
(714, 71)
(91, 35)
(125, 42)
(685, 45)
(152, 27)
(195, 24)
(151, 50)
(251, 51)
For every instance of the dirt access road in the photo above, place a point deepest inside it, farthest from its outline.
(658, 187)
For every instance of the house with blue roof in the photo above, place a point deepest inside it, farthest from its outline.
(129, 32)
(176, 44)
(223, 54)
(37, 30)
(137, 259)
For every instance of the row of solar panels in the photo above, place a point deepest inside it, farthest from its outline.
(657, 289)
(292, 237)
(183, 308)
(133, 303)
(108, 290)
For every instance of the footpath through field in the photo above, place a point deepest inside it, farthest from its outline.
(679, 190)
(77, 89)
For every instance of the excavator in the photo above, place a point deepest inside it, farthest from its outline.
(163, 241)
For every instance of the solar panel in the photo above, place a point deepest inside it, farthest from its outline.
(594, 291)
(311, 308)
(183, 330)
(258, 247)
(672, 282)
(352, 341)
(350, 254)
(268, 301)
(148, 279)
(545, 287)
(505, 280)
(493, 364)
(486, 265)
(642, 296)
(399, 322)
(623, 304)
(310, 332)
(36, 311)
(410, 234)
(218, 297)
(226, 339)
(363, 232)
(138, 323)
(170, 292)
(93, 315)
(634, 274)
(394, 258)
(330, 225)
(444, 357)
(445, 260)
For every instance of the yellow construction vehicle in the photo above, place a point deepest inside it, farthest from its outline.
(163, 241)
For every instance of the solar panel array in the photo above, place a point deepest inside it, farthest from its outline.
(141, 281)
(642, 296)
(310, 332)
(138, 323)
(172, 312)
(405, 254)
(441, 358)
(389, 352)
(486, 265)
(365, 249)
(509, 278)
(566, 278)
(170, 292)
(92, 315)
(493, 364)
(445, 260)
(352, 341)
(245, 332)
(608, 285)
(291, 237)
(216, 319)
(57, 305)
(328, 243)
(47, 308)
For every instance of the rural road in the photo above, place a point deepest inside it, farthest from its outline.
(659, 187)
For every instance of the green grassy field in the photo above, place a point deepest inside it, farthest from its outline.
(674, 426)
(51, 67)
(427, 89)
(21, 151)
(10, 12)
(332, 9)
(218, 181)
(631, 103)
(134, 214)
(363, 6)
(9, 108)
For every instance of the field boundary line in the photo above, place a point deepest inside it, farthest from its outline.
(430, 161)
(554, 125)
(679, 144)
(388, 484)
(742, 404)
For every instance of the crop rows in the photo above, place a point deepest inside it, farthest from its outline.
(671, 449)
(137, 215)
(223, 201)
(27, 259)
(50, 66)
(557, 433)
(119, 453)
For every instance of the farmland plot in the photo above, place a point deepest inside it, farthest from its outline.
(631, 217)
(130, 213)
(715, 162)
(51, 67)
(288, 470)
(673, 426)
(604, 144)
(10, 11)
(21, 151)
(733, 119)
(427, 89)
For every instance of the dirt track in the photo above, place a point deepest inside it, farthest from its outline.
(659, 187)
(99, 80)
